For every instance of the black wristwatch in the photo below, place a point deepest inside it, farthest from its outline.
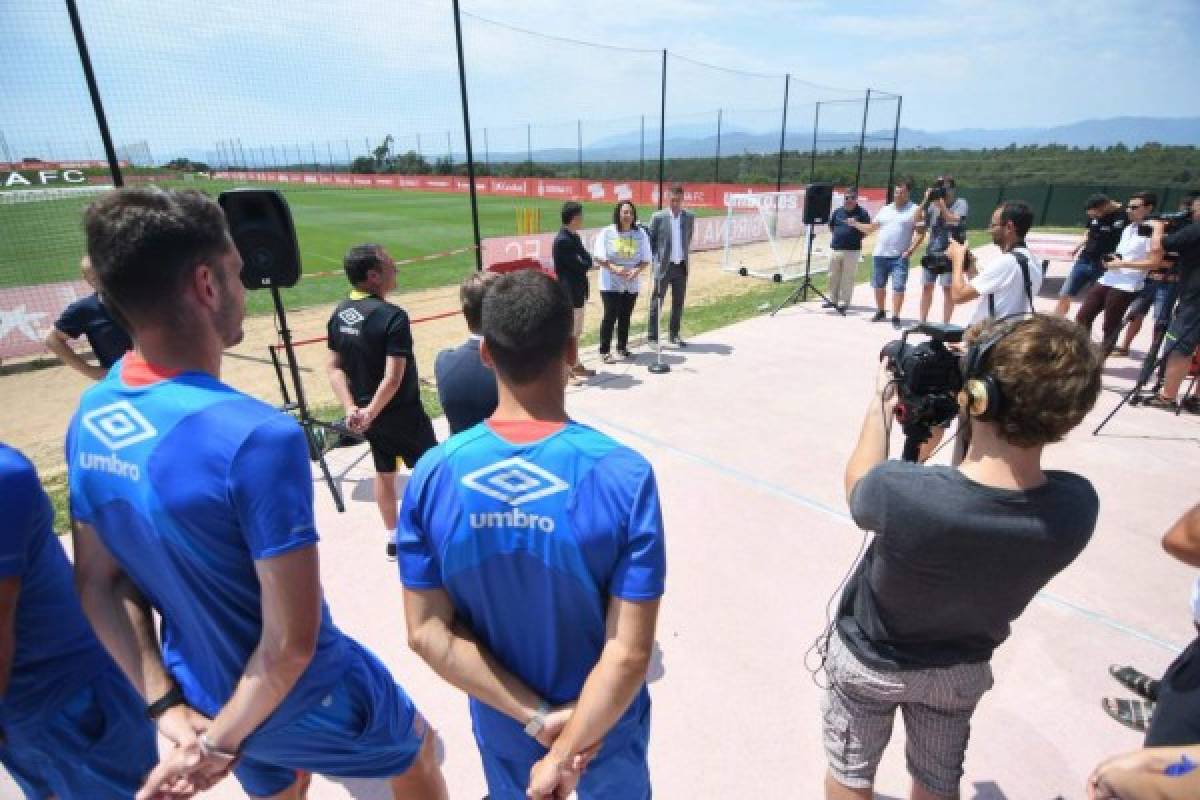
(173, 697)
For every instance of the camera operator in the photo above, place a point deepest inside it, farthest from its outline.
(1106, 220)
(1159, 294)
(1184, 332)
(941, 582)
(1126, 270)
(945, 217)
(1006, 285)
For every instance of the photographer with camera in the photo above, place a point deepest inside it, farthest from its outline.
(941, 583)
(945, 218)
(1126, 271)
(1183, 334)
(1158, 294)
(1006, 285)
(1106, 220)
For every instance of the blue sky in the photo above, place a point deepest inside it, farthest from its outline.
(183, 76)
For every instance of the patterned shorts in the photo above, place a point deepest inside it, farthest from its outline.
(937, 705)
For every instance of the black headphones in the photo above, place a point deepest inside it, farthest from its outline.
(981, 395)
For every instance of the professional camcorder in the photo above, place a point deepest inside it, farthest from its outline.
(1172, 222)
(928, 379)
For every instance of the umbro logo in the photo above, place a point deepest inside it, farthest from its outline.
(118, 425)
(514, 481)
(350, 316)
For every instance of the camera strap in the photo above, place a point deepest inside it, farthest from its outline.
(1023, 263)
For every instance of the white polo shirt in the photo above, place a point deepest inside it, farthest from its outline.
(1131, 248)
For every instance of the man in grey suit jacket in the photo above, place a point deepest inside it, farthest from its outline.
(670, 240)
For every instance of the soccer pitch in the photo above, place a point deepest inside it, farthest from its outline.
(40, 242)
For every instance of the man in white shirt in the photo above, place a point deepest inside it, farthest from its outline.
(1006, 285)
(1125, 276)
(896, 223)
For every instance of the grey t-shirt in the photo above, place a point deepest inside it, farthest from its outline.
(940, 231)
(954, 562)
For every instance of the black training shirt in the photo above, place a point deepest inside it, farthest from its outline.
(364, 331)
(1103, 234)
(1186, 242)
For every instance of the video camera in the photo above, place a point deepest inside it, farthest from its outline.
(928, 379)
(939, 263)
(1172, 222)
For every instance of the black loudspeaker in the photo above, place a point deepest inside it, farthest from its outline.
(818, 202)
(260, 223)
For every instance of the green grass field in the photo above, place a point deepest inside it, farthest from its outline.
(40, 242)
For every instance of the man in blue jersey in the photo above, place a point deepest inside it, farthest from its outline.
(71, 726)
(532, 555)
(195, 501)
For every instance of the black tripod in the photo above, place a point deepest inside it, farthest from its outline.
(1153, 365)
(801, 291)
(314, 429)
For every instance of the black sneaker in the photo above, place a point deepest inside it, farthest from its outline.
(391, 551)
(675, 340)
(844, 307)
(829, 304)
(880, 316)
(896, 323)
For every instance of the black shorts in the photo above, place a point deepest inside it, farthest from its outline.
(403, 435)
(1184, 333)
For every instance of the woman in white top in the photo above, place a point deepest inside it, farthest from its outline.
(622, 251)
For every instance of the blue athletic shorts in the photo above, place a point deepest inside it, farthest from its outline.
(97, 746)
(366, 727)
(1083, 274)
(896, 267)
(616, 773)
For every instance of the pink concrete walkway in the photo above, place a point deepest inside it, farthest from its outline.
(749, 434)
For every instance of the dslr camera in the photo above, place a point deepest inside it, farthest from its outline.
(928, 379)
(938, 190)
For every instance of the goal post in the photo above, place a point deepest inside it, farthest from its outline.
(765, 235)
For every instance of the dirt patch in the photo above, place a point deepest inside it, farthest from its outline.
(38, 403)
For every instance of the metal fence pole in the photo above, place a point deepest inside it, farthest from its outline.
(787, 80)
(862, 140)
(642, 153)
(662, 128)
(717, 160)
(812, 157)
(891, 187)
(85, 60)
(462, 87)
(579, 144)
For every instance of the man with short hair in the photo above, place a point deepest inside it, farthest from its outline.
(945, 219)
(90, 317)
(1004, 286)
(466, 386)
(845, 250)
(1183, 335)
(195, 501)
(670, 240)
(56, 680)
(898, 224)
(571, 264)
(1124, 277)
(942, 582)
(533, 560)
(373, 371)
(1106, 220)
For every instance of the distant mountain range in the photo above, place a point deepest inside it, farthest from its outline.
(692, 141)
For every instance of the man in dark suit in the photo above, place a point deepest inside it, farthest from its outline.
(466, 388)
(571, 264)
(670, 239)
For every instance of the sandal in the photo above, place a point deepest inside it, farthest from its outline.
(1134, 714)
(1135, 681)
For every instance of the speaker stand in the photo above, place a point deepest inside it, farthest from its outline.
(658, 367)
(801, 291)
(313, 428)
